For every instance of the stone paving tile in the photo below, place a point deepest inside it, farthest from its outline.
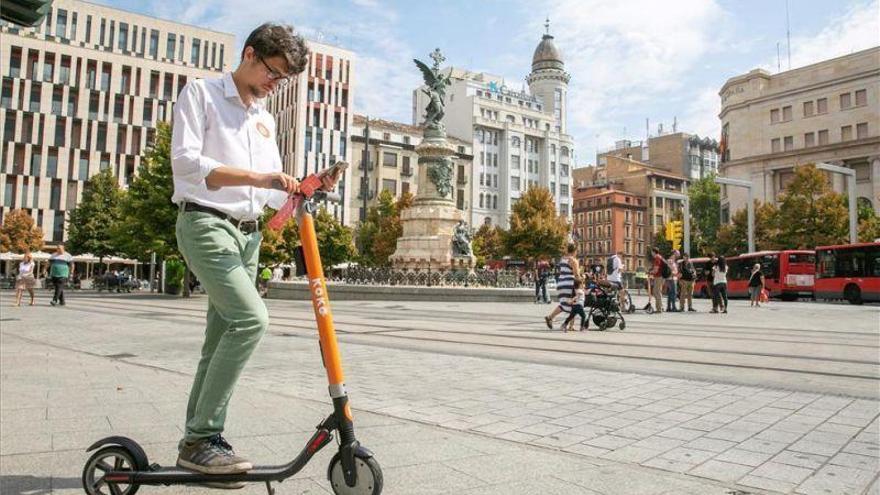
(721, 471)
(744, 457)
(832, 479)
(782, 472)
(810, 461)
(766, 484)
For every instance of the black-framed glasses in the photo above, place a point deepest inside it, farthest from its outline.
(274, 75)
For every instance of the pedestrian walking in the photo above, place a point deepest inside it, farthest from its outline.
(542, 272)
(710, 274)
(59, 272)
(719, 281)
(567, 268)
(672, 282)
(756, 286)
(25, 280)
(577, 307)
(687, 275)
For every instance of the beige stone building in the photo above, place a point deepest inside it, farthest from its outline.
(603, 196)
(82, 92)
(313, 117)
(825, 112)
(681, 153)
(394, 164)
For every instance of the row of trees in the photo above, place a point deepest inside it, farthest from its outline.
(808, 214)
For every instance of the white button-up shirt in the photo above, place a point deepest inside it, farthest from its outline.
(213, 128)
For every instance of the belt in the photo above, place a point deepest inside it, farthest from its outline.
(245, 226)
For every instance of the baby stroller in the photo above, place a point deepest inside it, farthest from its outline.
(604, 308)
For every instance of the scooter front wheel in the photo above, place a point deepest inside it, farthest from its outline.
(103, 461)
(369, 476)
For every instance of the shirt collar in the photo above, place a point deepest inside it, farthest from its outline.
(230, 90)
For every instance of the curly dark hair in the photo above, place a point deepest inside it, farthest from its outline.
(279, 40)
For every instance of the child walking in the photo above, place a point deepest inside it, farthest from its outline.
(577, 307)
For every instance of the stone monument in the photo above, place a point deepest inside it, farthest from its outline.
(435, 235)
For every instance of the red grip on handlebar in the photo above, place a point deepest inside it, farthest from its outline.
(306, 189)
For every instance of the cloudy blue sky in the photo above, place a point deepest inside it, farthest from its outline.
(629, 59)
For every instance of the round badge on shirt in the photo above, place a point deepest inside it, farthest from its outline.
(263, 129)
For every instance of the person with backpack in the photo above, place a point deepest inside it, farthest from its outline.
(756, 286)
(687, 275)
(659, 272)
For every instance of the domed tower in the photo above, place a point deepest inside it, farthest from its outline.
(548, 79)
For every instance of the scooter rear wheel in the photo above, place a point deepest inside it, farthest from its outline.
(103, 461)
(369, 476)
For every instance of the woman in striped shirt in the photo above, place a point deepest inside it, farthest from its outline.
(569, 268)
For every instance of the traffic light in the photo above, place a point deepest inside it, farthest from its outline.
(677, 233)
(669, 231)
(26, 13)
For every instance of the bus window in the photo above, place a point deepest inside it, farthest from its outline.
(873, 261)
(801, 258)
(825, 268)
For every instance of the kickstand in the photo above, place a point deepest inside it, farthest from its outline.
(270, 489)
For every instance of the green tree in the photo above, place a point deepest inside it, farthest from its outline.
(19, 234)
(535, 228)
(377, 235)
(733, 238)
(705, 206)
(488, 243)
(869, 223)
(90, 225)
(810, 213)
(335, 241)
(147, 216)
(660, 242)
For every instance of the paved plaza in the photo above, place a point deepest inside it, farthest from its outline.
(466, 398)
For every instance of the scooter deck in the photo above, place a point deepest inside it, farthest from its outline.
(167, 475)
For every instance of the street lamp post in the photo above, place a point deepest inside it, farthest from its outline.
(750, 207)
(851, 190)
(687, 213)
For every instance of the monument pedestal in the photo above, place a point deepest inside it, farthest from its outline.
(429, 224)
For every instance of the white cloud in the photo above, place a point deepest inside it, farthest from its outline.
(626, 55)
(701, 116)
(857, 29)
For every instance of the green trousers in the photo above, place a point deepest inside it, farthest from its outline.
(225, 262)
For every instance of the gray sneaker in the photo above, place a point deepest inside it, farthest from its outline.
(212, 456)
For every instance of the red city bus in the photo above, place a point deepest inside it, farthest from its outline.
(850, 271)
(788, 274)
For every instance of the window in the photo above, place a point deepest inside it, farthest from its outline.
(6, 98)
(861, 97)
(170, 46)
(775, 145)
(514, 184)
(123, 36)
(494, 202)
(194, 53)
(481, 197)
(822, 105)
(389, 159)
(809, 139)
(862, 130)
(786, 113)
(154, 44)
(788, 143)
(57, 95)
(61, 24)
(389, 185)
(36, 90)
(823, 137)
(49, 67)
(774, 116)
(808, 108)
(105, 77)
(846, 133)
(845, 101)
(15, 62)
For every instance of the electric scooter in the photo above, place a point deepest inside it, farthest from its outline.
(119, 466)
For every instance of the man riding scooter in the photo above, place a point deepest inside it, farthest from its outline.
(226, 169)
